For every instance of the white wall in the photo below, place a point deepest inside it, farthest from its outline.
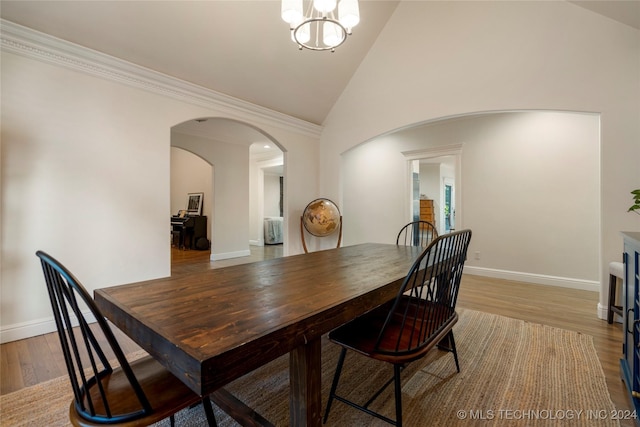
(191, 174)
(86, 181)
(442, 59)
(531, 194)
(86, 173)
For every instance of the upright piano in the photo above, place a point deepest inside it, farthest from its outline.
(186, 230)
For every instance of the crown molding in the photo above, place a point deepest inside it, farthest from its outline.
(46, 48)
(447, 150)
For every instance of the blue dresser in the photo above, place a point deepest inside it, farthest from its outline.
(630, 364)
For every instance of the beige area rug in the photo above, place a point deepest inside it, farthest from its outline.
(513, 373)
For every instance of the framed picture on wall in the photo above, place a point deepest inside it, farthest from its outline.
(194, 203)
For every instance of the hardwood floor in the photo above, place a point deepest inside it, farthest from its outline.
(193, 261)
(22, 364)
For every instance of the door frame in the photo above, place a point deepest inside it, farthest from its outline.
(430, 153)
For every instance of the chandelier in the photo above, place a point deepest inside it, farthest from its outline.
(321, 27)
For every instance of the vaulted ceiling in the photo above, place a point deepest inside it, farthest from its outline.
(239, 48)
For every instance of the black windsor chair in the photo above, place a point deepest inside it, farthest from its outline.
(417, 233)
(135, 394)
(420, 317)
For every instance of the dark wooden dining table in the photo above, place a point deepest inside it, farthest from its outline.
(212, 327)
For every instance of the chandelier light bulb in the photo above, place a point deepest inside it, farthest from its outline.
(324, 6)
(291, 11)
(332, 34)
(302, 34)
(349, 13)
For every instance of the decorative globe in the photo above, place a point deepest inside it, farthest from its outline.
(321, 217)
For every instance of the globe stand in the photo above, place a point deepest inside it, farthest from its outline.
(304, 244)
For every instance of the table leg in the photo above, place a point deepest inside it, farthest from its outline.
(305, 385)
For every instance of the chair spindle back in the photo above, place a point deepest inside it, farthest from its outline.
(417, 233)
(427, 299)
(86, 362)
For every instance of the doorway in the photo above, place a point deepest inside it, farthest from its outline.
(267, 195)
(237, 198)
(433, 185)
(449, 205)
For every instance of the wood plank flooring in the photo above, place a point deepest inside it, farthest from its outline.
(22, 364)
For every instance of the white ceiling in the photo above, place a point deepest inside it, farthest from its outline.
(240, 48)
(625, 11)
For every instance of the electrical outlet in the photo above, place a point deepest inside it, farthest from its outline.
(477, 256)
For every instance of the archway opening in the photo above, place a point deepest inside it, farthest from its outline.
(527, 189)
(236, 197)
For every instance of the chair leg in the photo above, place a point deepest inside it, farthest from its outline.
(334, 384)
(454, 351)
(208, 410)
(172, 421)
(450, 346)
(612, 297)
(398, 393)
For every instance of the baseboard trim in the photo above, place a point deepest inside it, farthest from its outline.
(540, 279)
(603, 311)
(20, 331)
(229, 255)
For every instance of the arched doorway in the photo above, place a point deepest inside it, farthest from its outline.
(226, 145)
(529, 189)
